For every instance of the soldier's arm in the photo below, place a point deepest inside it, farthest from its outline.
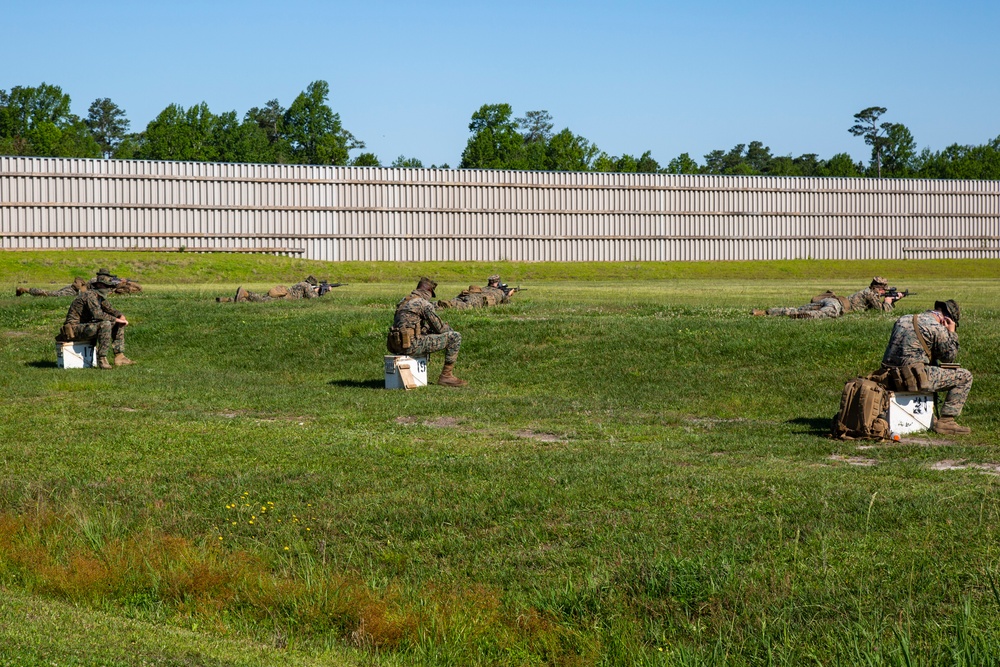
(103, 310)
(434, 323)
(944, 345)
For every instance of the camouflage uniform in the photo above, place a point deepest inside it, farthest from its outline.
(302, 290)
(832, 306)
(417, 312)
(105, 280)
(904, 349)
(470, 298)
(69, 290)
(92, 316)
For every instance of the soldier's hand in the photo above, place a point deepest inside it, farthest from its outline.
(948, 323)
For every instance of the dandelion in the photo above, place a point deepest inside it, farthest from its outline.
(220, 537)
(251, 523)
(286, 548)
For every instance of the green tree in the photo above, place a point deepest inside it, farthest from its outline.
(899, 151)
(271, 119)
(179, 134)
(964, 162)
(38, 121)
(107, 124)
(569, 152)
(867, 126)
(366, 160)
(683, 164)
(495, 142)
(315, 132)
(841, 165)
(407, 162)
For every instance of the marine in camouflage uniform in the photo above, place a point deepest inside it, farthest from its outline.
(307, 289)
(108, 281)
(69, 290)
(480, 297)
(938, 329)
(424, 331)
(829, 305)
(92, 316)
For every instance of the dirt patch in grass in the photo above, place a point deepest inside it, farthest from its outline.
(437, 422)
(853, 460)
(961, 464)
(541, 437)
(15, 334)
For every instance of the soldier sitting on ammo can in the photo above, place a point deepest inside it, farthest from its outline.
(417, 331)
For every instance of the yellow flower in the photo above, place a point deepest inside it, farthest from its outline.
(286, 548)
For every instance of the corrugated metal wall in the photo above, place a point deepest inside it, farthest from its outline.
(381, 214)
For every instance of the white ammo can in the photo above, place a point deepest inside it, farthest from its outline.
(910, 413)
(403, 372)
(77, 354)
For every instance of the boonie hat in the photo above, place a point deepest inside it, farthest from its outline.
(949, 309)
(879, 281)
(427, 284)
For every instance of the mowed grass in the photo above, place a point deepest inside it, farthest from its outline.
(636, 474)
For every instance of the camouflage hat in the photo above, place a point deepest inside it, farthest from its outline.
(879, 281)
(428, 285)
(949, 309)
(311, 279)
(493, 279)
(103, 271)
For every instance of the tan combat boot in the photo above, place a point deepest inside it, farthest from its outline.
(947, 426)
(223, 299)
(449, 380)
(241, 294)
(122, 360)
(441, 304)
(756, 312)
(21, 290)
(102, 363)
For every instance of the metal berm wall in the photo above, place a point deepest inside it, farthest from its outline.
(385, 214)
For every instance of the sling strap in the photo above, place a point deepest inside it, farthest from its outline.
(920, 339)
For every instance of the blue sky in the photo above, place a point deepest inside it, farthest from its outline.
(630, 76)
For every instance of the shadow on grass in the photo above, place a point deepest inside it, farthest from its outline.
(359, 384)
(816, 425)
(42, 364)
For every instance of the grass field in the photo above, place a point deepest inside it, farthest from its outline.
(637, 474)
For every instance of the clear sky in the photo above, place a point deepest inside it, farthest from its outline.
(630, 75)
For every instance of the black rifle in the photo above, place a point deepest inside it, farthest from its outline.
(895, 294)
(325, 287)
(508, 290)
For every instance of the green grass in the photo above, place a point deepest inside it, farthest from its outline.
(637, 474)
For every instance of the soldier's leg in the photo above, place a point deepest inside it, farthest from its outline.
(35, 291)
(101, 331)
(450, 342)
(118, 338)
(828, 308)
(957, 382)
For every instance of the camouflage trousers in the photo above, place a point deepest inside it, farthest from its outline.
(811, 311)
(956, 381)
(65, 291)
(450, 342)
(463, 302)
(109, 335)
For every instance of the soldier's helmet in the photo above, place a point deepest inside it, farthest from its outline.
(493, 280)
(950, 309)
(879, 281)
(312, 280)
(428, 285)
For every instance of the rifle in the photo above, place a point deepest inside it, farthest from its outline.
(895, 294)
(508, 290)
(325, 287)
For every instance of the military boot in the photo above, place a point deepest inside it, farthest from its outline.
(756, 312)
(241, 294)
(223, 299)
(441, 304)
(948, 426)
(102, 363)
(449, 380)
(122, 360)
(21, 290)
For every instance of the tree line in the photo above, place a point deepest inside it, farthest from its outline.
(38, 121)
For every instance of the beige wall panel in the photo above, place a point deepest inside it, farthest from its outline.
(344, 213)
